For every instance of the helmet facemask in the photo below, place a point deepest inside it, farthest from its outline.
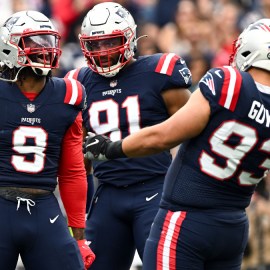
(28, 39)
(104, 25)
(107, 54)
(40, 51)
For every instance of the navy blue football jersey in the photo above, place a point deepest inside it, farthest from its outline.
(31, 132)
(127, 102)
(221, 167)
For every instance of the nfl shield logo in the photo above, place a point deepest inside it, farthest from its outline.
(31, 108)
(113, 83)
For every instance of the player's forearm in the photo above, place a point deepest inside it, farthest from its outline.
(147, 141)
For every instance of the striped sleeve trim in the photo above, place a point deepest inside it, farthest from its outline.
(231, 88)
(73, 74)
(74, 92)
(166, 63)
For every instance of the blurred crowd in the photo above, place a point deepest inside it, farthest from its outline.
(200, 31)
(257, 255)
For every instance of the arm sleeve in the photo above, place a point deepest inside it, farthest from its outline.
(72, 175)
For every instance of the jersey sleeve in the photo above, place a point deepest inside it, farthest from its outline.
(79, 74)
(221, 87)
(73, 74)
(72, 175)
(75, 93)
(175, 72)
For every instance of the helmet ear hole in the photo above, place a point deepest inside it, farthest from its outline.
(245, 54)
(6, 52)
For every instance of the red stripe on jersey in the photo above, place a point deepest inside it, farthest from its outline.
(161, 62)
(73, 74)
(230, 89)
(225, 86)
(80, 91)
(175, 236)
(74, 92)
(171, 240)
(237, 87)
(162, 240)
(68, 91)
(172, 64)
(164, 66)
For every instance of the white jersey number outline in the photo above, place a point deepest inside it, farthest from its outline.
(20, 136)
(112, 110)
(233, 155)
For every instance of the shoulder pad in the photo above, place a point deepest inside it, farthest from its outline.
(222, 85)
(75, 93)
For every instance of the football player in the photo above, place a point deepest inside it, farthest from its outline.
(224, 131)
(41, 124)
(125, 94)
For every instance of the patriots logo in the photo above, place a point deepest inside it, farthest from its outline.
(10, 22)
(209, 82)
(122, 13)
(261, 26)
(185, 73)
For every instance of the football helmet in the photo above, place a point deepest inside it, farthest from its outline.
(28, 39)
(108, 38)
(252, 48)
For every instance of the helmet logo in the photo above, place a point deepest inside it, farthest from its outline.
(268, 55)
(261, 26)
(122, 13)
(10, 23)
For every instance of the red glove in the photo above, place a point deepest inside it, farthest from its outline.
(86, 252)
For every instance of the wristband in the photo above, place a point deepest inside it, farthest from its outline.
(114, 150)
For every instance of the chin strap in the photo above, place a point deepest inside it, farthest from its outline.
(5, 72)
(143, 36)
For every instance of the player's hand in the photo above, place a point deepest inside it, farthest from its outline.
(100, 147)
(86, 252)
(95, 146)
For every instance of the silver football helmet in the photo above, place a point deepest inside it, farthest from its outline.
(108, 38)
(28, 39)
(252, 48)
